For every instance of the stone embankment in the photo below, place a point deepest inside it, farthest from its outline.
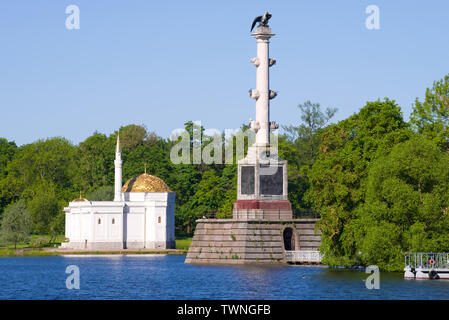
(232, 241)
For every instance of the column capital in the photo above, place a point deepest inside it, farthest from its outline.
(262, 33)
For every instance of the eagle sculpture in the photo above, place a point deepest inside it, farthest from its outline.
(263, 20)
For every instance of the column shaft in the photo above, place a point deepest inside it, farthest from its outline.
(263, 102)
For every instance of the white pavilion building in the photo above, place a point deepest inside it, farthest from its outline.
(142, 215)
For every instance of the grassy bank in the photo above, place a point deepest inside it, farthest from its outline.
(35, 243)
(27, 252)
(183, 243)
(47, 249)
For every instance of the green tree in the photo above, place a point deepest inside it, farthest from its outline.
(228, 183)
(299, 146)
(7, 151)
(305, 135)
(298, 181)
(16, 223)
(105, 193)
(339, 175)
(96, 160)
(50, 160)
(381, 246)
(57, 225)
(155, 159)
(184, 181)
(43, 205)
(208, 196)
(406, 205)
(132, 136)
(44, 161)
(431, 117)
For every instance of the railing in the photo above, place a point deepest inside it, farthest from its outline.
(214, 215)
(297, 214)
(305, 214)
(303, 256)
(429, 260)
(265, 214)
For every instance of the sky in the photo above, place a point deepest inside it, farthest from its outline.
(163, 63)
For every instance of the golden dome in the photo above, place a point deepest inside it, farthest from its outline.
(145, 183)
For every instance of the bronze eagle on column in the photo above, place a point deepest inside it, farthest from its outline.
(263, 20)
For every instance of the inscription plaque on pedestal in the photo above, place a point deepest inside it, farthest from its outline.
(271, 180)
(247, 180)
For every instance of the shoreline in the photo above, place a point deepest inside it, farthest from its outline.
(52, 252)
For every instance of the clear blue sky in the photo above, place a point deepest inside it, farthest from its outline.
(162, 63)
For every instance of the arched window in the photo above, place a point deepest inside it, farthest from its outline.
(99, 221)
(113, 221)
(159, 219)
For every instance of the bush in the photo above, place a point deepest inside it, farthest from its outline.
(39, 242)
(105, 193)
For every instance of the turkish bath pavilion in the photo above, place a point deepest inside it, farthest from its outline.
(142, 215)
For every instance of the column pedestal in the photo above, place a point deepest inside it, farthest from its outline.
(262, 186)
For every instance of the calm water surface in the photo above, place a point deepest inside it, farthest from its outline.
(167, 277)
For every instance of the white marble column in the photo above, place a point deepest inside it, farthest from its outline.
(262, 94)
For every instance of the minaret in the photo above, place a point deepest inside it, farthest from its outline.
(118, 172)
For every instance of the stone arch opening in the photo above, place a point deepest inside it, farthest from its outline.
(289, 239)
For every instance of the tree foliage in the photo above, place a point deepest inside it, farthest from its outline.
(95, 160)
(43, 204)
(16, 223)
(105, 193)
(338, 178)
(7, 151)
(306, 135)
(431, 117)
(299, 146)
(406, 206)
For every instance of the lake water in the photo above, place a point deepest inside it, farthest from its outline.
(167, 277)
